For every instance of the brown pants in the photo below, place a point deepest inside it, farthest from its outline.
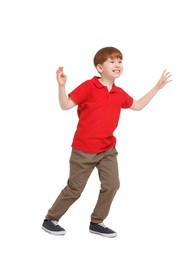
(81, 166)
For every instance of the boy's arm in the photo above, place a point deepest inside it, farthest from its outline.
(143, 101)
(64, 101)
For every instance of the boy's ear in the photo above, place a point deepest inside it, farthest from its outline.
(99, 68)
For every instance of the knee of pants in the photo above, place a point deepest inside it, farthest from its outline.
(112, 186)
(74, 190)
(117, 185)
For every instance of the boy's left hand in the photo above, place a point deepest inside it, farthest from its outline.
(164, 79)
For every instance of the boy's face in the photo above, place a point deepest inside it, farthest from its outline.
(111, 68)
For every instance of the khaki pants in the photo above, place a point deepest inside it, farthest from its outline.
(81, 166)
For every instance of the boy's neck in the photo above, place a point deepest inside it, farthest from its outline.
(107, 83)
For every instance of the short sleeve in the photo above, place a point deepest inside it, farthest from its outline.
(79, 94)
(127, 100)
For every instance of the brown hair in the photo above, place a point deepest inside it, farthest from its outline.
(107, 52)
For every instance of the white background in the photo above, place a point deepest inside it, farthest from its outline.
(153, 210)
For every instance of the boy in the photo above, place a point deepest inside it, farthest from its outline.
(99, 103)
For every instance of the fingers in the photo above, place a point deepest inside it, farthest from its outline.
(166, 75)
(60, 69)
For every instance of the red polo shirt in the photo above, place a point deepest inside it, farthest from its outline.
(98, 113)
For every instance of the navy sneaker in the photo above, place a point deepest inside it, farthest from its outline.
(101, 229)
(52, 227)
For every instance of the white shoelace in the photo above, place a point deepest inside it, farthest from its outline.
(55, 222)
(102, 225)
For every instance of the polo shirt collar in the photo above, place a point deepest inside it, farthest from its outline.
(98, 84)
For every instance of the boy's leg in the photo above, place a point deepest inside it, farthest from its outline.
(109, 177)
(81, 166)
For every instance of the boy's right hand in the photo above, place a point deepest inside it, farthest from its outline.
(61, 77)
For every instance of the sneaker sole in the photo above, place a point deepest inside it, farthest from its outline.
(59, 233)
(104, 235)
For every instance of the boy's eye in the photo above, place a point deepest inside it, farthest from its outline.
(113, 61)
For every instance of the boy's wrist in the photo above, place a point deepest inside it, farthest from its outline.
(157, 87)
(61, 86)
